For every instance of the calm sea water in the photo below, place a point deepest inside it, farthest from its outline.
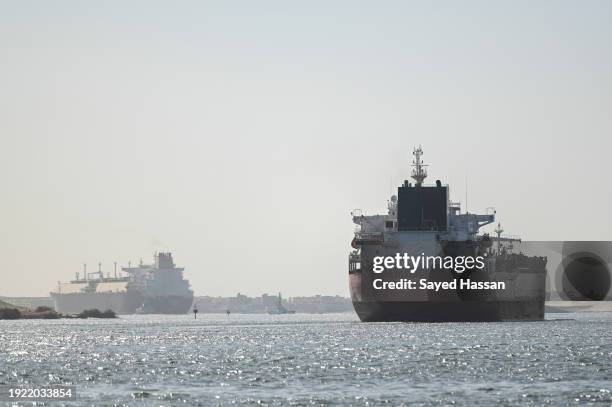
(313, 360)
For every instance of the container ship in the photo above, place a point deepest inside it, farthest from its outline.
(422, 221)
(157, 288)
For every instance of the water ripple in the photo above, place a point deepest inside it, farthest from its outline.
(313, 360)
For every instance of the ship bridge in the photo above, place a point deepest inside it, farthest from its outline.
(420, 207)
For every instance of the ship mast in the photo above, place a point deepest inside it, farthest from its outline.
(498, 230)
(419, 173)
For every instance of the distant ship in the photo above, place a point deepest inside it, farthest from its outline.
(422, 221)
(279, 308)
(158, 288)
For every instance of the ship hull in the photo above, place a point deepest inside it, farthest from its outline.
(457, 310)
(121, 303)
(170, 304)
(466, 311)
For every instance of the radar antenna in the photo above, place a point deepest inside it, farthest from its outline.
(419, 173)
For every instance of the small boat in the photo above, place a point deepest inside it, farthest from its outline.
(280, 308)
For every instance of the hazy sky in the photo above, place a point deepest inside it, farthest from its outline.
(239, 135)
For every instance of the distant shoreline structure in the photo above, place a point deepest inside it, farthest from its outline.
(316, 304)
(269, 304)
(239, 304)
(13, 312)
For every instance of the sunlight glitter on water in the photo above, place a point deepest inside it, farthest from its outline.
(317, 359)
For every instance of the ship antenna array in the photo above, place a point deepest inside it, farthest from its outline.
(419, 173)
(498, 231)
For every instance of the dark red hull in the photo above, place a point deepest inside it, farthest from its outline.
(442, 311)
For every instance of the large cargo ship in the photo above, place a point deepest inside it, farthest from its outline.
(157, 288)
(422, 221)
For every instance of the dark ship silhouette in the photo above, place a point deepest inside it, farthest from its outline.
(422, 220)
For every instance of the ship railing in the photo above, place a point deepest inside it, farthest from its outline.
(369, 237)
(431, 185)
(506, 238)
(458, 229)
